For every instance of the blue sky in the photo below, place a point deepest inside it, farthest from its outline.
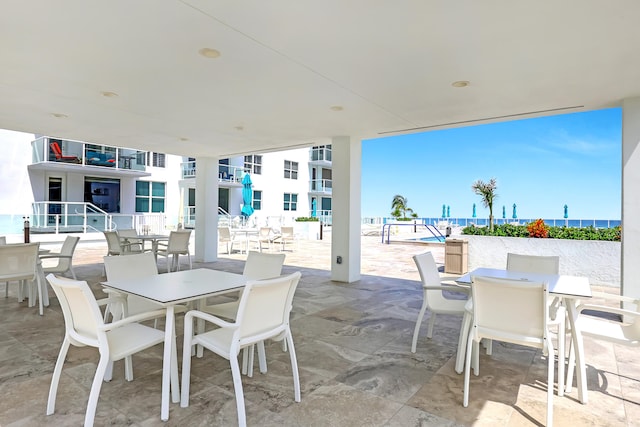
(540, 165)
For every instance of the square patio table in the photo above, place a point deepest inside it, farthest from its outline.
(168, 290)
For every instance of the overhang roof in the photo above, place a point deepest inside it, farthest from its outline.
(286, 66)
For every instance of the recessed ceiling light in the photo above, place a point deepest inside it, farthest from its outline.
(240, 127)
(209, 53)
(108, 94)
(460, 83)
(183, 139)
(337, 108)
(59, 115)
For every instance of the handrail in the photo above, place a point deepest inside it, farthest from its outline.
(430, 228)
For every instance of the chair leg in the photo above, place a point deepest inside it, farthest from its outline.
(550, 378)
(416, 330)
(294, 367)
(128, 368)
(432, 321)
(57, 371)
(467, 372)
(561, 353)
(95, 390)
(262, 358)
(462, 341)
(237, 386)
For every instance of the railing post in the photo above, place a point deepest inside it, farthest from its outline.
(57, 219)
(84, 220)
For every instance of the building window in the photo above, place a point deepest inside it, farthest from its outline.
(321, 152)
(156, 159)
(290, 169)
(253, 164)
(257, 200)
(150, 196)
(290, 202)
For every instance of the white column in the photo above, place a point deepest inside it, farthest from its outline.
(206, 230)
(345, 206)
(630, 268)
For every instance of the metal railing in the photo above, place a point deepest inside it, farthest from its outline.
(321, 185)
(226, 173)
(482, 222)
(44, 149)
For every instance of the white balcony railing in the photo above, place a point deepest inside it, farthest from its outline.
(321, 185)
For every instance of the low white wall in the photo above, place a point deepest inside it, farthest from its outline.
(307, 230)
(598, 260)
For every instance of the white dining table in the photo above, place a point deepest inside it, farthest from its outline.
(570, 288)
(169, 290)
(248, 232)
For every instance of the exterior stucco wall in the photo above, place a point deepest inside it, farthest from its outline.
(598, 260)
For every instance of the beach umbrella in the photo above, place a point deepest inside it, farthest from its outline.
(566, 211)
(514, 212)
(448, 211)
(504, 212)
(313, 208)
(247, 196)
(444, 211)
(473, 215)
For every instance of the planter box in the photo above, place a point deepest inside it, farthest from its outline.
(308, 230)
(598, 260)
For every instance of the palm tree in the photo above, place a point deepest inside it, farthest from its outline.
(487, 190)
(400, 208)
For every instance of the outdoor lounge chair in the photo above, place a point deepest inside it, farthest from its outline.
(57, 152)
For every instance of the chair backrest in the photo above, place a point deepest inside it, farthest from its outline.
(18, 261)
(430, 277)
(264, 232)
(224, 234)
(80, 309)
(128, 232)
(514, 311)
(260, 265)
(56, 150)
(265, 307)
(179, 241)
(286, 232)
(533, 263)
(133, 266)
(113, 242)
(68, 248)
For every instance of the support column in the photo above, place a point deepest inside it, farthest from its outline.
(206, 231)
(630, 268)
(345, 206)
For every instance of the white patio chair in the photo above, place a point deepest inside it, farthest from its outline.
(432, 297)
(177, 245)
(226, 236)
(263, 313)
(19, 262)
(115, 341)
(287, 235)
(258, 266)
(134, 244)
(594, 322)
(265, 236)
(64, 257)
(513, 311)
(114, 245)
(527, 264)
(131, 267)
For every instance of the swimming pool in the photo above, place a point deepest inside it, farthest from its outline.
(429, 239)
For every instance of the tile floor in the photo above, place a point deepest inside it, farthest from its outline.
(353, 345)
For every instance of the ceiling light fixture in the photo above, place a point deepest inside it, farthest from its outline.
(108, 94)
(337, 108)
(59, 115)
(183, 139)
(209, 53)
(461, 83)
(240, 127)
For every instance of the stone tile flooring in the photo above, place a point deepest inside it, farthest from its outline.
(353, 345)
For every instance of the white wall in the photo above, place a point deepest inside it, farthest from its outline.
(16, 195)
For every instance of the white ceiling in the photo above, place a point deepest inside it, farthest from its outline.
(285, 63)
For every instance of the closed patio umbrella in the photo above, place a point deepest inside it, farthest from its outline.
(514, 212)
(247, 196)
(313, 208)
(566, 211)
(473, 215)
(444, 211)
(448, 211)
(504, 212)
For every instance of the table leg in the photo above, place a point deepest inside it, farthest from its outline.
(168, 362)
(578, 345)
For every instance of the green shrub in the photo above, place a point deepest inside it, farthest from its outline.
(570, 233)
(307, 219)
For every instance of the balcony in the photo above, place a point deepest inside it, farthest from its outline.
(320, 186)
(228, 175)
(66, 154)
(320, 155)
